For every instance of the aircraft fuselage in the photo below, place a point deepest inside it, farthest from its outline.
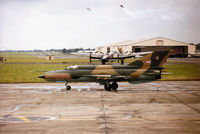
(94, 72)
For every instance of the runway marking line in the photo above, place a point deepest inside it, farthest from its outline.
(24, 119)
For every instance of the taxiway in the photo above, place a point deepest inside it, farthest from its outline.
(156, 107)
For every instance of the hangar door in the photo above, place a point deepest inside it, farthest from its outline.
(108, 49)
(136, 49)
(179, 51)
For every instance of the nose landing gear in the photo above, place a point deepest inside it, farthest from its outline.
(68, 87)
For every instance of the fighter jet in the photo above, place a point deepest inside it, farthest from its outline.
(145, 69)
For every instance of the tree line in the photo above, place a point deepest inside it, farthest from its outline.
(64, 50)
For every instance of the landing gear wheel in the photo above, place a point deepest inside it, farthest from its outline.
(114, 85)
(68, 87)
(107, 87)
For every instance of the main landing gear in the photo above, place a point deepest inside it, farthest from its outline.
(108, 86)
(68, 87)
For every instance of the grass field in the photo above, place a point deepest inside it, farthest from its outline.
(181, 72)
(24, 57)
(19, 73)
(14, 73)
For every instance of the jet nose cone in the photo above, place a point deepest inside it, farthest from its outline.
(41, 76)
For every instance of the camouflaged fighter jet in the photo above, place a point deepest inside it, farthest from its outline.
(145, 69)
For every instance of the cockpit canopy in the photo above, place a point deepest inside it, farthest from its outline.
(74, 67)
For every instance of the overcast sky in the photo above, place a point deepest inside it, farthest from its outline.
(47, 24)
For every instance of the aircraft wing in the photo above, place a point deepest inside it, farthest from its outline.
(129, 55)
(136, 54)
(107, 77)
(122, 57)
(95, 57)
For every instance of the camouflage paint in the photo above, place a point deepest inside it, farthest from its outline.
(104, 70)
(146, 64)
(58, 76)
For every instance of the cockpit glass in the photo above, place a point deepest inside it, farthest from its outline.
(72, 68)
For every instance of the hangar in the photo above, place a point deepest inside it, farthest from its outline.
(178, 48)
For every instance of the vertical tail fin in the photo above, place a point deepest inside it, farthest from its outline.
(155, 59)
(158, 58)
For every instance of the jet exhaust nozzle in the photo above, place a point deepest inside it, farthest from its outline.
(41, 76)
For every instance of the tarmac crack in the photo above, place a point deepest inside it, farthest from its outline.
(182, 102)
(104, 114)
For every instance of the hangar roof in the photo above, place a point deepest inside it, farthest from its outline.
(123, 43)
(144, 42)
(162, 38)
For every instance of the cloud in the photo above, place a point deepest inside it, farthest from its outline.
(46, 24)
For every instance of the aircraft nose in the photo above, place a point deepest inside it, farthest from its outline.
(41, 76)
